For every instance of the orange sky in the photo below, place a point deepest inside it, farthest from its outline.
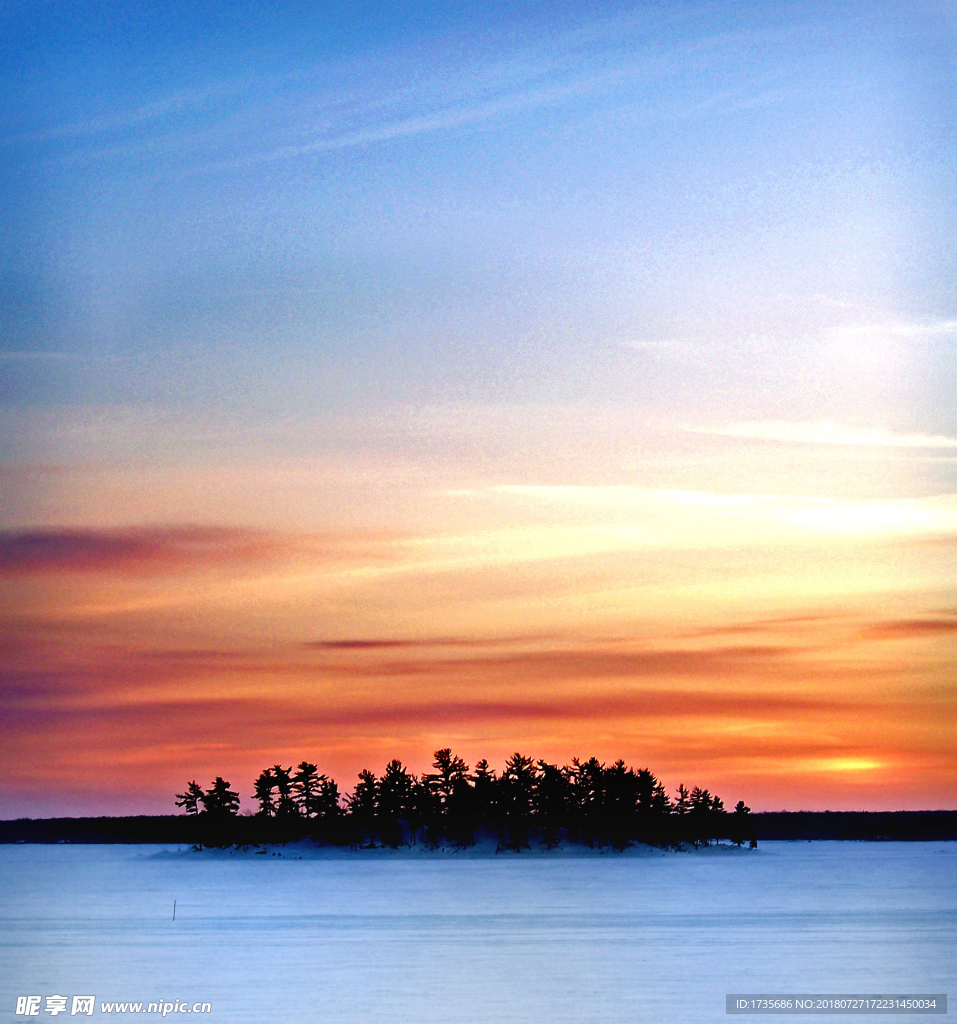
(792, 651)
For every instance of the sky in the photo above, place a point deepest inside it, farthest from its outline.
(570, 379)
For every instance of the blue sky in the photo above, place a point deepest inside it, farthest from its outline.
(653, 205)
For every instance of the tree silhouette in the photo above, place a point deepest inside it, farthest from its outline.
(552, 793)
(652, 809)
(619, 804)
(329, 811)
(220, 800)
(263, 793)
(362, 808)
(221, 805)
(718, 818)
(699, 816)
(191, 799)
(516, 787)
(740, 827)
(531, 801)
(706, 818)
(446, 803)
(484, 787)
(282, 782)
(306, 786)
(461, 818)
(448, 770)
(588, 792)
(394, 802)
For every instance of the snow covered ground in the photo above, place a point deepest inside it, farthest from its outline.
(386, 938)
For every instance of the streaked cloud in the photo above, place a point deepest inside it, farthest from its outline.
(40, 661)
(826, 433)
(911, 629)
(137, 549)
(411, 644)
(794, 700)
(248, 120)
(898, 329)
(158, 549)
(621, 517)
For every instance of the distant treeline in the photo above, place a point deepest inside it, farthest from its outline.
(192, 829)
(528, 801)
(873, 826)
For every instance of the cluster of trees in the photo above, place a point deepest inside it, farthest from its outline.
(529, 800)
(219, 801)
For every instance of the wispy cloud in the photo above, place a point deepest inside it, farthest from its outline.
(159, 549)
(769, 626)
(38, 660)
(367, 99)
(581, 520)
(911, 629)
(414, 644)
(155, 548)
(76, 706)
(549, 76)
(899, 329)
(826, 432)
(38, 673)
(190, 719)
(438, 120)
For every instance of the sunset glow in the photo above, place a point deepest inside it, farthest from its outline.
(572, 387)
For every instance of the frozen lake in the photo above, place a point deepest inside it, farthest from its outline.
(384, 939)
